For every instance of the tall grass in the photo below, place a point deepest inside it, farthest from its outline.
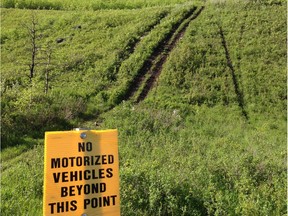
(198, 68)
(186, 149)
(86, 4)
(85, 63)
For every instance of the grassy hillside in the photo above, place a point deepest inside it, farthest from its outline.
(198, 95)
(87, 4)
(93, 57)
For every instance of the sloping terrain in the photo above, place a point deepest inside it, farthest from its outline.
(94, 55)
(162, 53)
(196, 90)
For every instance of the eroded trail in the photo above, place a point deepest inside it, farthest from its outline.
(153, 66)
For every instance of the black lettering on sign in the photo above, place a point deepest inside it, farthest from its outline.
(81, 161)
(56, 177)
(82, 147)
(97, 162)
(87, 160)
(73, 205)
(52, 207)
(87, 175)
(109, 173)
(98, 202)
(65, 177)
(74, 176)
(79, 175)
(64, 191)
(55, 163)
(71, 161)
(110, 159)
(101, 173)
(65, 162)
(60, 207)
(77, 190)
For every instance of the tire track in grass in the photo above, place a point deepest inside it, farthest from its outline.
(130, 47)
(238, 92)
(153, 66)
(132, 44)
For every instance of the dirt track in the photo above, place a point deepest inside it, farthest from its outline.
(153, 66)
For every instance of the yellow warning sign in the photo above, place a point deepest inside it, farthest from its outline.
(81, 173)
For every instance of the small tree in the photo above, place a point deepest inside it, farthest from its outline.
(38, 55)
(32, 29)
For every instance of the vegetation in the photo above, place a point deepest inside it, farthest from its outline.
(209, 138)
(86, 62)
(87, 4)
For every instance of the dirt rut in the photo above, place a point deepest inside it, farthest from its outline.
(153, 66)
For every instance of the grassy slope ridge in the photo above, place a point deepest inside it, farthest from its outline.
(86, 63)
(87, 4)
(186, 149)
(202, 75)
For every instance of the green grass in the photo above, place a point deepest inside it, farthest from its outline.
(22, 181)
(186, 149)
(197, 162)
(87, 4)
(86, 63)
(204, 160)
(198, 68)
